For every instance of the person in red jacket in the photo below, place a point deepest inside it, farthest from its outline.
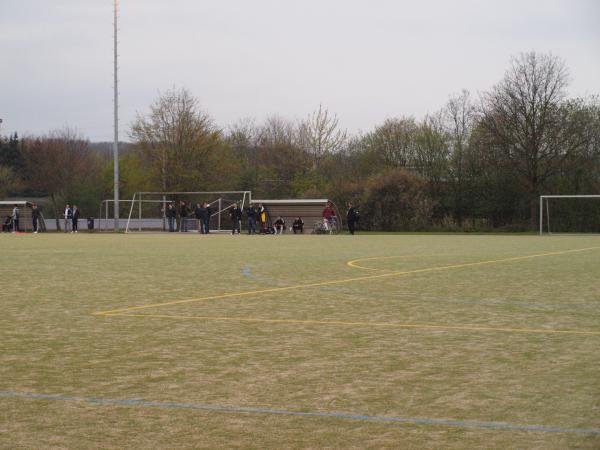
(329, 217)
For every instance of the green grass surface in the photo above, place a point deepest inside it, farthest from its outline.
(488, 329)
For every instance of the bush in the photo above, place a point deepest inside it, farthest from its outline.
(396, 201)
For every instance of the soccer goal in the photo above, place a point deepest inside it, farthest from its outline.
(569, 214)
(149, 210)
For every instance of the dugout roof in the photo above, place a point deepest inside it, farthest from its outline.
(310, 210)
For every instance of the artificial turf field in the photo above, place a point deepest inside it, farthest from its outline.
(373, 341)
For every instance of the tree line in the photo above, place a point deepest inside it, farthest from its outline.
(478, 163)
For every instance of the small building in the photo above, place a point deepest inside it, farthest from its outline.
(25, 222)
(310, 210)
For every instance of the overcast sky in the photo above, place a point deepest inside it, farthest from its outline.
(365, 60)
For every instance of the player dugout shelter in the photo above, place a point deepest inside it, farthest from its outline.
(25, 222)
(309, 210)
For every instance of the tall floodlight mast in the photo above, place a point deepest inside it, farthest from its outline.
(116, 117)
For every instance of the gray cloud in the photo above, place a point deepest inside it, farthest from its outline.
(364, 60)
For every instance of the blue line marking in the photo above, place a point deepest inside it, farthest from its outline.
(247, 272)
(334, 415)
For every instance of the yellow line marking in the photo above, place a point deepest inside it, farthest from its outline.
(376, 258)
(342, 281)
(368, 324)
(356, 266)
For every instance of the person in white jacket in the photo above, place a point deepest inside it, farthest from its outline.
(15, 219)
(68, 217)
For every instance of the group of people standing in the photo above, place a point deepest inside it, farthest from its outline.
(330, 222)
(256, 217)
(11, 222)
(201, 212)
(257, 221)
(71, 218)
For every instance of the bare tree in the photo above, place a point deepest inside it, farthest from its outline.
(459, 117)
(393, 142)
(432, 152)
(524, 118)
(277, 131)
(243, 139)
(279, 157)
(320, 134)
(242, 135)
(175, 140)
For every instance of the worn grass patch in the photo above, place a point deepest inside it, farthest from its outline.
(474, 329)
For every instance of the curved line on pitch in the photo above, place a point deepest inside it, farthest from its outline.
(353, 262)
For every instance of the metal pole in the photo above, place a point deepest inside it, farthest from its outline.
(140, 214)
(541, 215)
(548, 216)
(130, 212)
(100, 216)
(164, 210)
(219, 216)
(116, 118)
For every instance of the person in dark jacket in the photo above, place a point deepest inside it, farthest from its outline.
(7, 225)
(251, 214)
(183, 215)
(351, 217)
(35, 216)
(236, 218)
(75, 219)
(298, 225)
(279, 225)
(171, 214)
(207, 218)
(198, 213)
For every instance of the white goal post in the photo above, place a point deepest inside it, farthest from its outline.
(545, 208)
(105, 220)
(220, 201)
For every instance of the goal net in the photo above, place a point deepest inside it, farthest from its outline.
(149, 211)
(569, 214)
(105, 220)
